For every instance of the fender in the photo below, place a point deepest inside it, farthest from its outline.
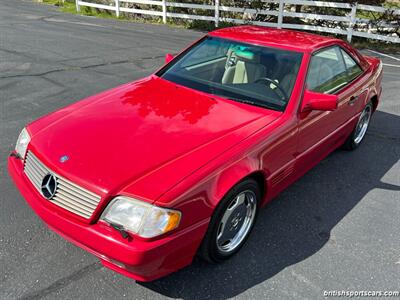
(199, 201)
(232, 175)
(371, 93)
(374, 87)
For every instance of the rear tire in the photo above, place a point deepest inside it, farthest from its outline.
(232, 222)
(358, 134)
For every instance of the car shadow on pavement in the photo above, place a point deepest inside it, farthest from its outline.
(298, 223)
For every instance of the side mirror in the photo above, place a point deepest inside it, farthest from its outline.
(318, 101)
(168, 57)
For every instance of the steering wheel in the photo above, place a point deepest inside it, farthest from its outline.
(269, 80)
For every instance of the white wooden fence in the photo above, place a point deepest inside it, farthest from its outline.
(216, 9)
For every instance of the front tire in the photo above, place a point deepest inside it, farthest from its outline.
(358, 134)
(231, 222)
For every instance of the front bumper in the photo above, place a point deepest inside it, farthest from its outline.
(139, 259)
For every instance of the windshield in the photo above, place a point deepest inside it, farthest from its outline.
(241, 72)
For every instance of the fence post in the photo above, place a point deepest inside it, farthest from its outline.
(117, 8)
(352, 22)
(164, 11)
(78, 8)
(216, 20)
(280, 14)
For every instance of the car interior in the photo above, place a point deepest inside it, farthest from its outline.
(246, 67)
(249, 71)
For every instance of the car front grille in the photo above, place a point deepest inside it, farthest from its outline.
(68, 195)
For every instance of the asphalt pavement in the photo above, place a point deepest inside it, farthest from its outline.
(335, 229)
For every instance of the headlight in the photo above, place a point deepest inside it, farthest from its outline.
(141, 218)
(22, 143)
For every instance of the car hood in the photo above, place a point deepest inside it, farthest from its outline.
(119, 137)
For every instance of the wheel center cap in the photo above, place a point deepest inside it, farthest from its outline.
(235, 222)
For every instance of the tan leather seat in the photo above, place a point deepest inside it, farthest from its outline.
(242, 68)
(289, 69)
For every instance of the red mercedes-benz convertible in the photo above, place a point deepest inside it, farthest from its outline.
(149, 174)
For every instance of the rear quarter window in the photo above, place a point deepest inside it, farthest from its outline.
(353, 69)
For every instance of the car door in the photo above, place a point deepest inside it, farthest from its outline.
(321, 131)
(355, 92)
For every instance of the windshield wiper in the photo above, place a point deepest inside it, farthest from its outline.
(245, 101)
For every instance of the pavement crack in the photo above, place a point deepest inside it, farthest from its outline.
(17, 53)
(33, 75)
(383, 136)
(75, 68)
(63, 282)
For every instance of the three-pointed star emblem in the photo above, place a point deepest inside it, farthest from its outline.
(49, 186)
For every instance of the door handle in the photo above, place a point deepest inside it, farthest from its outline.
(352, 100)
